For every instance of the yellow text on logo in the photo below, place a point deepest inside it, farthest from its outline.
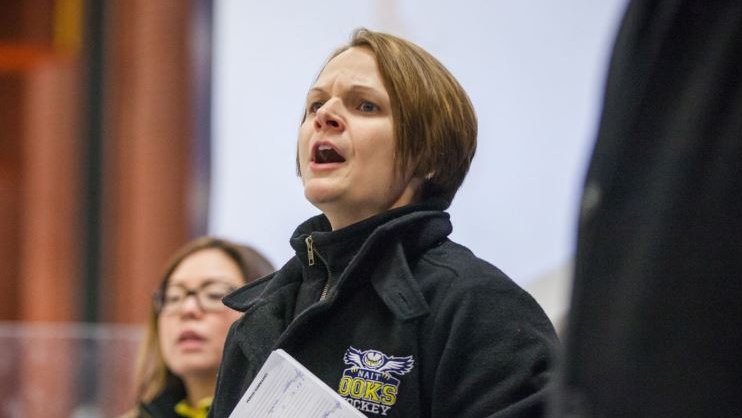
(368, 390)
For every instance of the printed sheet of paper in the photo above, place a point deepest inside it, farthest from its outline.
(283, 388)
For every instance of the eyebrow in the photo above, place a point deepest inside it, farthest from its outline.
(355, 88)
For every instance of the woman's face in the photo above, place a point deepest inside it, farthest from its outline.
(192, 338)
(346, 143)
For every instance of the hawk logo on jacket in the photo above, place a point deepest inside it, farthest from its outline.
(368, 384)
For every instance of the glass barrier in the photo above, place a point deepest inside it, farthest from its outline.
(66, 370)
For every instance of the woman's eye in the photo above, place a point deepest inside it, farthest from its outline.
(314, 107)
(367, 107)
(216, 296)
(172, 298)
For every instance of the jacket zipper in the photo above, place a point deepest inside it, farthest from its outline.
(310, 258)
(325, 289)
(310, 249)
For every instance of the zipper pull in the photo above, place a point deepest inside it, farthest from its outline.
(310, 250)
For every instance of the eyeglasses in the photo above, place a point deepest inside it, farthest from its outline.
(208, 296)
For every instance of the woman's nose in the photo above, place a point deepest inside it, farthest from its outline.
(191, 305)
(328, 117)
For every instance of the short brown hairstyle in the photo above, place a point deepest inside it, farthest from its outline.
(434, 120)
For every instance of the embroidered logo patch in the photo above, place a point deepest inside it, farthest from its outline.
(368, 384)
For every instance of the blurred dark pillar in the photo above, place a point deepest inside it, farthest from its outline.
(11, 92)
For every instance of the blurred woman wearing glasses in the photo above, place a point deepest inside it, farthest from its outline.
(176, 369)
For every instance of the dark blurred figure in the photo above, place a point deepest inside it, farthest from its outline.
(656, 320)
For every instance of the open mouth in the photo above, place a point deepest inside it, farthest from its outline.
(326, 154)
(189, 336)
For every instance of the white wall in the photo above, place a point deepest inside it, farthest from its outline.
(534, 70)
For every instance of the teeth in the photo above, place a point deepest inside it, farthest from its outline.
(327, 154)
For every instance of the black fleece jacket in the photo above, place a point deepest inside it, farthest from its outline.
(411, 324)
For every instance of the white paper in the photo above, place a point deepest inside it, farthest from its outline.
(284, 388)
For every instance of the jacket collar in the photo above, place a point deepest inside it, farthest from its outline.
(397, 287)
(246, 296)
(163, 405)
(389, 247)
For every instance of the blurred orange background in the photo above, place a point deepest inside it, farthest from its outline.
(104, 142)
